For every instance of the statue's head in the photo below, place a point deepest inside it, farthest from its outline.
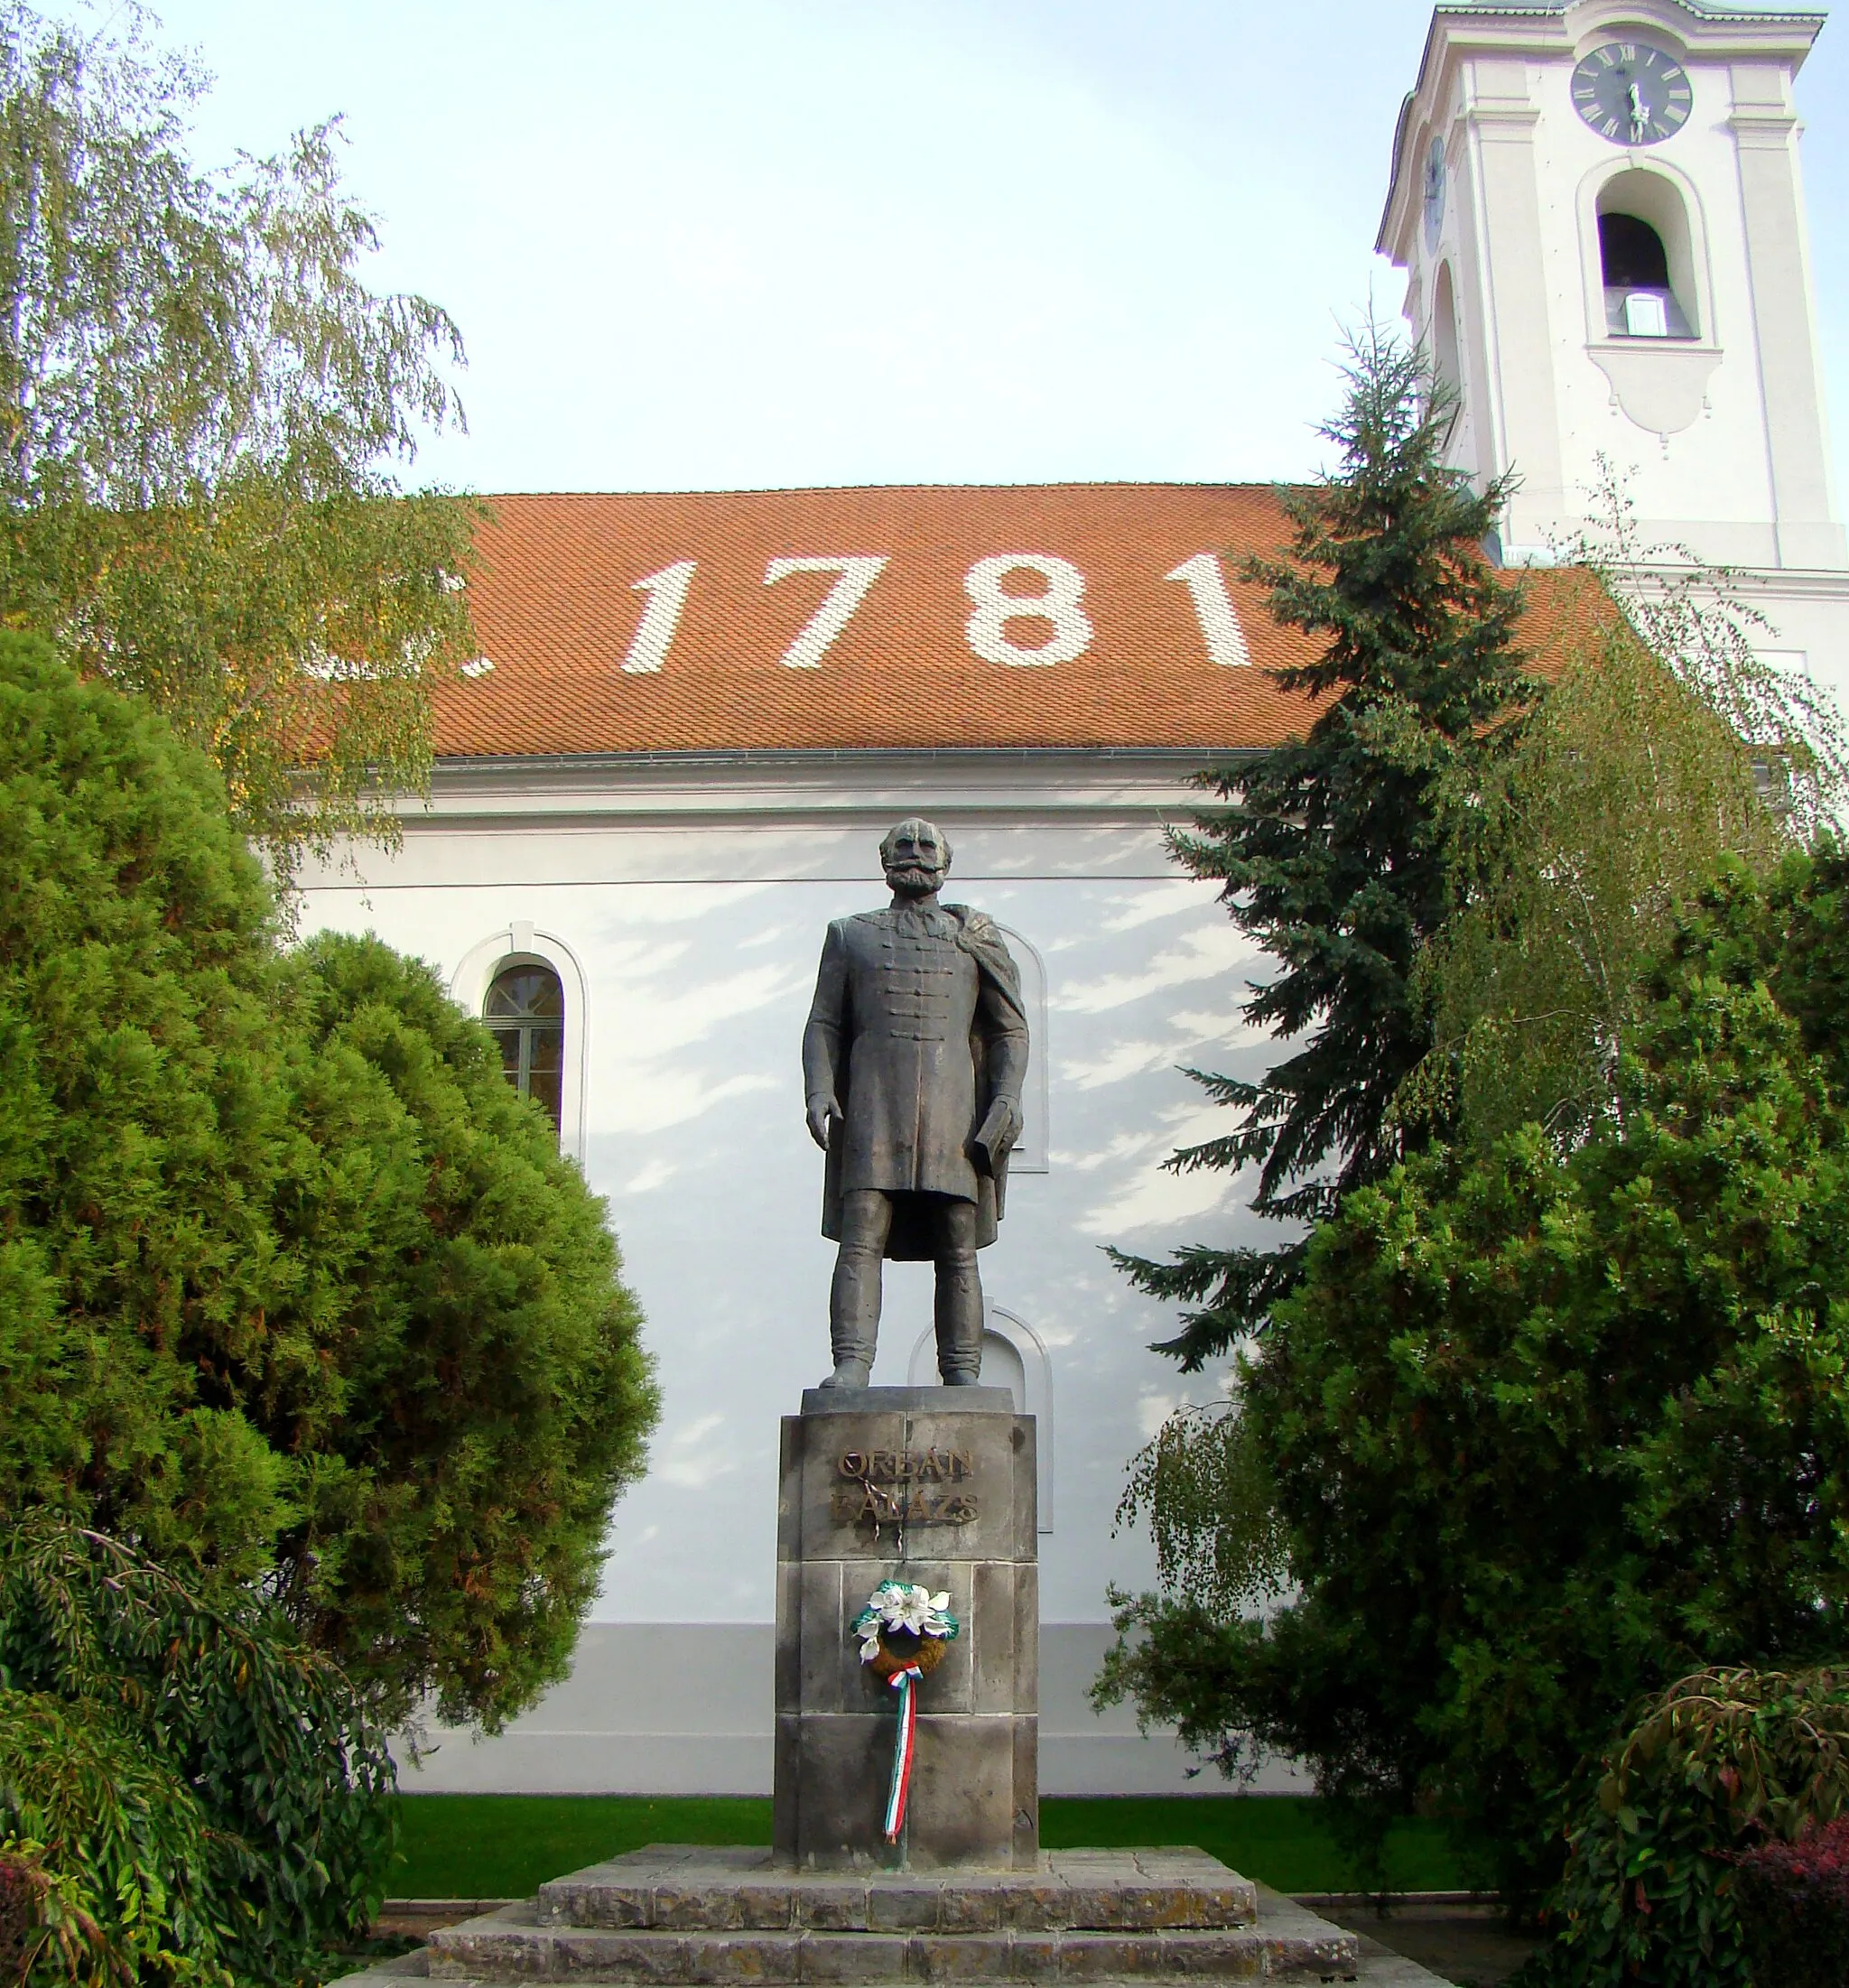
(914, 856)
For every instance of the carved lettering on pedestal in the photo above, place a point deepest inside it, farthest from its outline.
(904, 1487)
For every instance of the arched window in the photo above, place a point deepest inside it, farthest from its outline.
(526, 1009)
(1445, 363)
(1645, 262)
(484, 983)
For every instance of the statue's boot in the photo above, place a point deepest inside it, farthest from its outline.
(848, 1374)
(958, 1307)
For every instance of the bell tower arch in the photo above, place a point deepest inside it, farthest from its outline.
(1598, 209)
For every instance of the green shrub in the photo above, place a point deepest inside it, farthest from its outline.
(1540, 1432)
(132, 1852)
(1654, 1886)
(489, 1393)
(44, 1930)
(200, 1786)
(293, 1289)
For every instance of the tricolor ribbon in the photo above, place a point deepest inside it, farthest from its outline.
(905, 1747)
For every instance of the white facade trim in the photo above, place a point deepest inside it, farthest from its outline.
(813, 787)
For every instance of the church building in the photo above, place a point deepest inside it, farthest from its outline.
(695, 715)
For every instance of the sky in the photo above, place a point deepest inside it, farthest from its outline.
(737, 243)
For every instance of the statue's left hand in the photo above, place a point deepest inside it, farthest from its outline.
(1001, 1129)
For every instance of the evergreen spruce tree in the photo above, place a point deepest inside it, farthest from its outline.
(1333, 850)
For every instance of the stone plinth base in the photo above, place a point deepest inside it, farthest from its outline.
(927, 1485)
(1067, 1892)
(670, 1915)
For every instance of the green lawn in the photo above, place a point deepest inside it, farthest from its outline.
(503, 1847)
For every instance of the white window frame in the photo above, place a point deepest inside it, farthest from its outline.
(520, 942)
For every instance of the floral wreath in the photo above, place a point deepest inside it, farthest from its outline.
(904, 1627)
(902, 1632)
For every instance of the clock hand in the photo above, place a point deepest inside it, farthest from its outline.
(1640, 110)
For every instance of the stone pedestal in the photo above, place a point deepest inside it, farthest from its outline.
(679, 1916)
(932, 1485)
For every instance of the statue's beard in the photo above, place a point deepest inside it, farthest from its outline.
(915, 881)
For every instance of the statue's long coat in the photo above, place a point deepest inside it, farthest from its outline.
(917, 1028)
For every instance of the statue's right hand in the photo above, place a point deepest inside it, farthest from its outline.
(821, 1108)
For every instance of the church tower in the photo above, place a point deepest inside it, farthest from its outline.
(1598, 209)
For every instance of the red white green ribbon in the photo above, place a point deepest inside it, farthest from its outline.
(904, 1751)
(925, 1618)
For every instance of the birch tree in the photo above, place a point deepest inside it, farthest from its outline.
(205, 417)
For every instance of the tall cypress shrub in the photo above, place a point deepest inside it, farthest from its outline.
(294, 1289)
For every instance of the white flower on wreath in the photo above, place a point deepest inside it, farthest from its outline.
(901, 1605)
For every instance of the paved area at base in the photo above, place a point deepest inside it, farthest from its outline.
(1382, 1967)
(391, 1974)
(1468, 1945)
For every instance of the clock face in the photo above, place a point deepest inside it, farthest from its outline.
(1434, 192)
(1632, 93)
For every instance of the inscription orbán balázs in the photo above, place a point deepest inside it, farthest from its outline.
(904, 1487)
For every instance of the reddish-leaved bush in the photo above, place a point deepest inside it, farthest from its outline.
(1793, 1901)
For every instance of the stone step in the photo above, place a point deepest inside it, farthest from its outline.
(677, 1888)
(512, 1945)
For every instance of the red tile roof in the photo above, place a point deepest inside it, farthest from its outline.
(559, 613)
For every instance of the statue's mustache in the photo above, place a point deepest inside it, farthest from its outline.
(911, 873)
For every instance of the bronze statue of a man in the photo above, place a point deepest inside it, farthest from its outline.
(913, 1064)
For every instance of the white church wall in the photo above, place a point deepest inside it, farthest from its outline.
(680, 1708)
(696, 923)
